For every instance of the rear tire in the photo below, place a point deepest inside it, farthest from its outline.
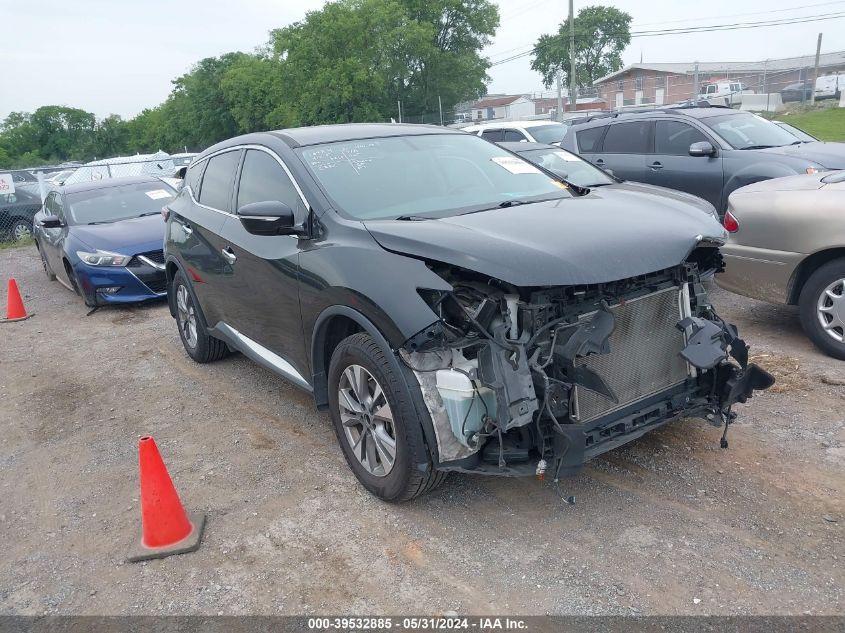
(822, 308)
(378, 412)
(200, 346)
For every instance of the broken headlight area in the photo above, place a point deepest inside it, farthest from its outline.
(519, 378)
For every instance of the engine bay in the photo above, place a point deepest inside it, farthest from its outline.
(518, 380)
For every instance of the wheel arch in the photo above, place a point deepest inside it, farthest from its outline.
(807, 267)
(333, 325)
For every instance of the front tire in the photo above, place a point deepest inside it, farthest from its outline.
(822, 308)
(376, 423)
(200, 346)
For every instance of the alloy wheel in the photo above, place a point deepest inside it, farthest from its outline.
(367, 420)
(186, 316)
(21, 232)
(830, 309)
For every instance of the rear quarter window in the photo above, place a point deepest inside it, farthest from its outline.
(589, 140)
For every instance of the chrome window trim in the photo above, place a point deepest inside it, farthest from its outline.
(247, 146)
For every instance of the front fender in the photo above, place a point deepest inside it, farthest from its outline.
(319, 379)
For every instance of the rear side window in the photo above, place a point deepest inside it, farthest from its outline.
(193, 177)
(264, 180)
(675, 137)
(588, 140)
(514, 136)
(217, 182)
(627, 138)
(494, 136)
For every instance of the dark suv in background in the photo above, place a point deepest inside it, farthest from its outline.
(705, 151)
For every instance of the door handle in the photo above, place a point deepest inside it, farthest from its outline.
(599, 161)
(656, 165)
(229, 255)
(187, 229)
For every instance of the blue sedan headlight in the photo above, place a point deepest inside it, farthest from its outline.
(103, 258)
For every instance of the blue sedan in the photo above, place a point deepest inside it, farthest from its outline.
(103, 239)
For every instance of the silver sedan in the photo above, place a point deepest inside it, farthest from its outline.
(787, 245)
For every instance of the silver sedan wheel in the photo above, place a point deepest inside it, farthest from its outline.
(186, 316)
(830, 310)
(367, 420)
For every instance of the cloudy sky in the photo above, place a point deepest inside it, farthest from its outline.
(116, 56)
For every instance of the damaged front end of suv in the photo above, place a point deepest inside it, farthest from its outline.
(521, 379)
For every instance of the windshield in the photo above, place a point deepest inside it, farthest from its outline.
(433, 175)
(112, 204)
(748, 131)
(552, 133)
(801, 135)
(569, 167)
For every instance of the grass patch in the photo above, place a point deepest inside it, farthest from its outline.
(826, 125)
(6, 244)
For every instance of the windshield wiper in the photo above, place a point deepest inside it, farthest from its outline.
(510, 203)
(760, 146)
(412, 218)
(101, 222)
(143, 215)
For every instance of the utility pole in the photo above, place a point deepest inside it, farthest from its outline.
(440, 105)
(572, 98)
(559, 113)
(695, 86)
(766, 82)
(399, 103)
(815, 71)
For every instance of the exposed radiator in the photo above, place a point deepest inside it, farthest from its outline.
(644, 354)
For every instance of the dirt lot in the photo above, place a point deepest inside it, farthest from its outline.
(670, 524)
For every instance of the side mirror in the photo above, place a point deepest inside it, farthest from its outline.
(51, 222)
(702, 148)
(180, 172)
(609, 172)
(270, 217)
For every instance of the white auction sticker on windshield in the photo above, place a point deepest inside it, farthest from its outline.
(572, 158)
(515, 165)
(158, 194)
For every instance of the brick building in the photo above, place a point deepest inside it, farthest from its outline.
(665, 83)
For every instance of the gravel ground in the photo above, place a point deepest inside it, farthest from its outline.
(670, 524)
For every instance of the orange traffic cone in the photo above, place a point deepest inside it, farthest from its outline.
(166, 528)
(14, 303)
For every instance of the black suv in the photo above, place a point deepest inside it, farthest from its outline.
(705, 151)
(455, 307)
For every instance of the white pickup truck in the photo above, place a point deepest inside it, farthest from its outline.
(829, 86)
(727, 93)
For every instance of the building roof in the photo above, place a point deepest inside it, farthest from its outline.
(770, 65)
(496, 102)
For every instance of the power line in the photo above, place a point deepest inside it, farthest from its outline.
(702, 29)
(739, 15)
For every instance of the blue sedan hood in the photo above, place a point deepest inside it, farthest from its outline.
(127, 237)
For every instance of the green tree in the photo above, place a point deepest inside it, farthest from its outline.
(252, 88)
(62, 133)
(111, 137)
(601, 34)
(451, 67)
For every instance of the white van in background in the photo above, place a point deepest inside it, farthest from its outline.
(727, 93)
(829, 86)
